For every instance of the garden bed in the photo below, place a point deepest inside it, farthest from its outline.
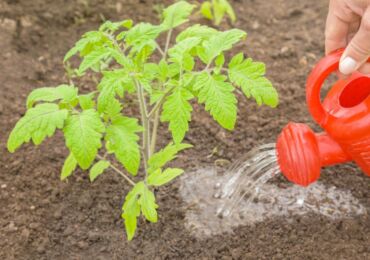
(44, 218)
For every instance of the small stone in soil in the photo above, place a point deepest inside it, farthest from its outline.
(32, 207)
(3, 186)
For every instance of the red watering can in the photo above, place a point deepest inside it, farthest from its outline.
(344, 115)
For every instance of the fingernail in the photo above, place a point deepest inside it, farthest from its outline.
(347, 65)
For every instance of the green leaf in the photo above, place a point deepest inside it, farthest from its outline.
(131, 209)
(69, 166)
(114, 26)
(229, 10)
(37, 124)
(122, 140)
(65, 93)
(200, 31)
(159, 159)
(112, 83)
(177, 111)
(218, 97)
(148, 205)
(89, 42)
(219, 43)
(177, 53)
(83, 133)
(159, 178)
(206, 10)
(250, 76)
(93, 58)
(98, 169)
(142, 34)
(176, 14)
(86, 101)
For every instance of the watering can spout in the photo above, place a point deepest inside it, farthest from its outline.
(344, 115)
(302, 153)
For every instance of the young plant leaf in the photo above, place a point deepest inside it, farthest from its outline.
(148, 205)
(131, 209)
(65, 93)
(159, 178)
(86, 101)
(93, 58)
(159, 159)
(142, 34)
(122, 140)
(69, 166)
(206, 10)
(38, 123)
(177, 111)
(218, 97)
(250, 76)
(200, 31)
(98, 169)
(219, 43)
(83, 133)
(176, 14)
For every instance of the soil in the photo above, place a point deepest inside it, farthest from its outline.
(44, 218)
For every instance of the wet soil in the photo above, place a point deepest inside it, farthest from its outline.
(44, 218)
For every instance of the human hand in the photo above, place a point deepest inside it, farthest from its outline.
(348, 26)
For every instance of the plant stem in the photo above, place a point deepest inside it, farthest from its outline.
(167, 43)
(118, 171)
(146, 123)
(155, 129)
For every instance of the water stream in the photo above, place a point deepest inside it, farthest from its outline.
(243, 195)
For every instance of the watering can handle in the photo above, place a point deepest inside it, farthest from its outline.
(322, 70)
(315, 81)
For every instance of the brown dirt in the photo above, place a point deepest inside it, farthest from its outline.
(43, 218)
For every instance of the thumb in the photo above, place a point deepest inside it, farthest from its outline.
(358, 50)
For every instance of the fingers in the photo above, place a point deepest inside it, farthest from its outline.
(358, 49)
(337, 27)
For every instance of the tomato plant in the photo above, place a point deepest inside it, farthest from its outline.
(216, 10)
(97, 130)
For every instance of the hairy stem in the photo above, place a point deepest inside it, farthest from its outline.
(118, 171)
(155, 130)
(145, 122)
(168, 40)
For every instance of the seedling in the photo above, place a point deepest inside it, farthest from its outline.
(216, 10)
(125, 57)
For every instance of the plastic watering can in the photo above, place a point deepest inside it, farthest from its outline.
(344, 114)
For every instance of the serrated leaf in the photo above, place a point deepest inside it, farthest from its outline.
(176, 14)
(122, 140)
(65, 93)
(148, 205)
(159, 159)
(159, 178)
(250, 76)
(131, 209)
(219, 43)
(197, 30)
(83, 133)
(80, 45)
(69, 166)
(114, 26)
(178, 52)
(38, 123)
(98, 169)
(112, 83)
(206, 10)
(177, 111)
(93, 58)
(86, 101)
(142, 34)
(218, 97)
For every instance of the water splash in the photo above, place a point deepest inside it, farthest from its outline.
(243, 196)
(246, 176)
